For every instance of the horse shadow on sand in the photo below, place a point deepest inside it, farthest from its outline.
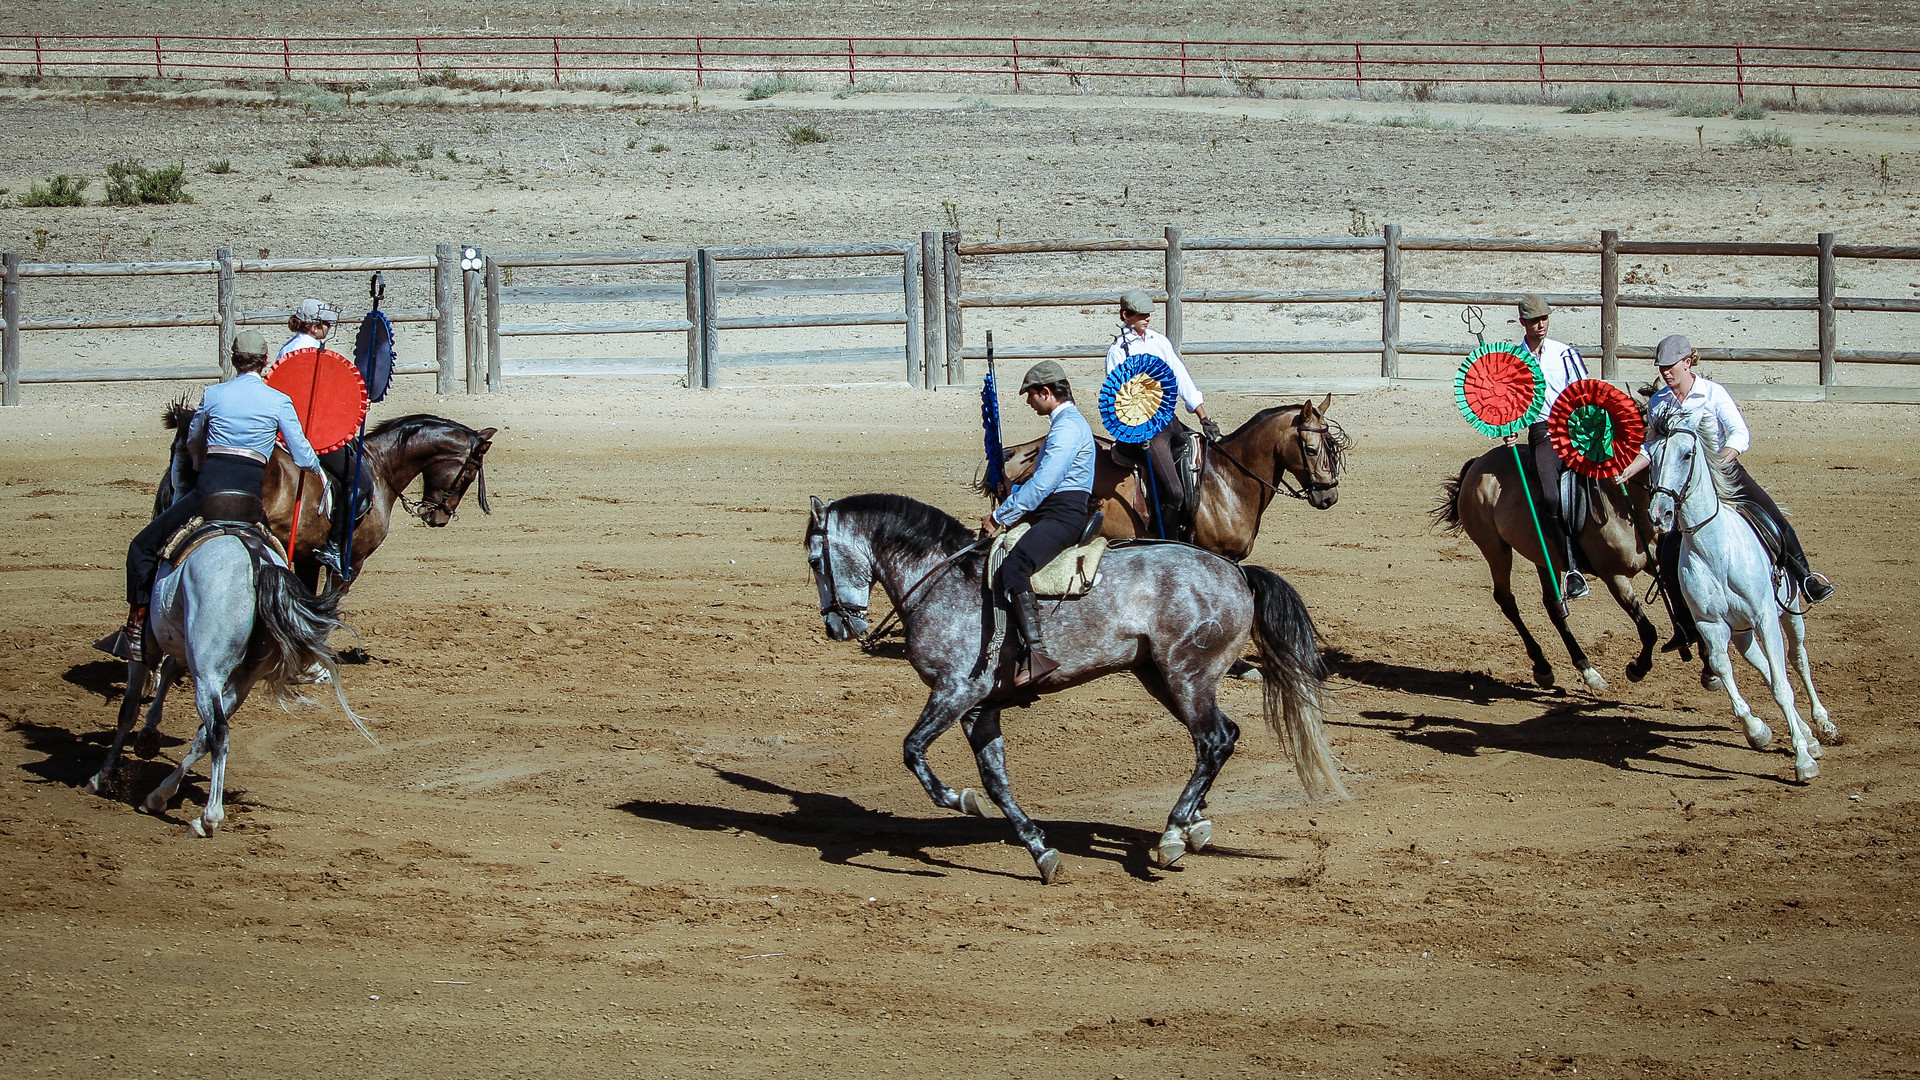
(71, 758)
(843, 832)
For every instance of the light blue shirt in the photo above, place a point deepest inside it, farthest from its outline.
(1066, 464)
(244, 414)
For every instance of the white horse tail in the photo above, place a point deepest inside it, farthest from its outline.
(1292, 690)
(297, 624)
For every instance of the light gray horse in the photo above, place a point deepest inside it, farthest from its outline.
(1174, 615)
(1727, 579)
(233, 619)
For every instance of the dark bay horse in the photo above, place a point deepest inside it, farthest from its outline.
(1292, 450)
(1173, 615)
(1487, 503)
(448, 456)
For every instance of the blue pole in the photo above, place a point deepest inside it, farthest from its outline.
(1153, 493)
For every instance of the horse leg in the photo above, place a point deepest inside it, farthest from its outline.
(1797, 644)
(1621, 586)
(935, 719)
(215, 811)
(1500, 564)
(1715, 637)
(1557, 614)
(1214, 737)
(1806, 749)
(148, 744)
(129, 709)
(990, 753)
(159, 798)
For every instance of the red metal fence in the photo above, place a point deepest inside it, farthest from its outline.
(988, 63)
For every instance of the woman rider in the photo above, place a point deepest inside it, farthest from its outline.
(1687, 391)
(311, 324)
(238, 419)
(312, 321)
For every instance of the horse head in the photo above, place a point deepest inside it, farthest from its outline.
(1683, 448)
(1321, 449)
(842, 573)
(459, 461)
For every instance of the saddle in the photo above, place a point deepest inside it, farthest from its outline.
(1189, 458)
(1768, 532)
(226, 513)
(1071, 575)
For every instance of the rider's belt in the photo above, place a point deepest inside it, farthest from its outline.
(239, 452)
(243, 506)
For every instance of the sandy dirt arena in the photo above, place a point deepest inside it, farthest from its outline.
(636, 816)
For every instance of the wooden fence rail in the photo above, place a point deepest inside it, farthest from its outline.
(471, 326)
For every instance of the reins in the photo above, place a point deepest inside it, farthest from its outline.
(898, 613)
(1284, 487)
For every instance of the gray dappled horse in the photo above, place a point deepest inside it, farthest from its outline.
(1174, 615)
(1726, 577)
(235, 620)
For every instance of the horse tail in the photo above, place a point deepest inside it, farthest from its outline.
(297, 624)
(1446, 512)
(1291, 690)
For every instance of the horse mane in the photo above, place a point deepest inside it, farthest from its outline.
(1336, 443)
(404, 428)
(178, 415)
(907, 527)
(1721, 472)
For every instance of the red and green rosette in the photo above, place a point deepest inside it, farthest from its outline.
(1500, 389)
(1596, 428)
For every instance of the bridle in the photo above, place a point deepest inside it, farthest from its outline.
(432, 502)
(1680, 496)
(834, 605)
(1285, 486)
(850, 612)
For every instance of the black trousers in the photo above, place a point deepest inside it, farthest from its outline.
(1668, 550)
(222, 472)
(1057, 524)
(340, 463)
(1166, 474)
(1546, 462)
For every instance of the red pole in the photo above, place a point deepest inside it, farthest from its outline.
(1356, 66)
(158, 73)
(1739, 75)
(39, 68)
(556, 61)
(1543, 69)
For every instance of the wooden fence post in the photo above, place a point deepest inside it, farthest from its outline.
(1390, 304)
(10, 337)
(1176, 277)
(692, 269)
(950, 266)
(224, 292)
(446, 264)
(1829, 333)
(1609, 304)
(932, 308)
(709, 328)
(494, 374)
(910, 300)
(473, 310)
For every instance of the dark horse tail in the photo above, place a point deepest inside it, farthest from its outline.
(1446, 512)
(1291, 690)
(296, 624)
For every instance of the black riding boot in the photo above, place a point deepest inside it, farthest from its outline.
(1816, 587)
(1685, 633)
(1036, 665)
(1576, 582)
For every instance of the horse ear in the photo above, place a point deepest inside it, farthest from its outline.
(819, 512)
(1326, 403)
(486, 434)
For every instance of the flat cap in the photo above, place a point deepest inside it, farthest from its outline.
(1136, 301)
(1532, 306)
(1672, 349)
(1042, 373)
(312, 310)
(250, 343)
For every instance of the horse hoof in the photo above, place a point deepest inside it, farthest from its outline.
(1593, 679)
(1252, 674)
(155, 805)
(1637, 670)
(1814, 750)
(93, 785)
(1049, 864)
(199, 828)
(972, 803)
(1711, 682)
(1168, 852)
(1805, 770)
(1759, 735)
(1543, 677)
(1198, 835)
(148, 744)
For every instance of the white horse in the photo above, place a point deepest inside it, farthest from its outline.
(1727, 580)
(234, 618)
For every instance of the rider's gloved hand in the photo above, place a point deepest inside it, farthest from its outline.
(1211, 429)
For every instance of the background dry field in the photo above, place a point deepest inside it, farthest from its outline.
(635, 816)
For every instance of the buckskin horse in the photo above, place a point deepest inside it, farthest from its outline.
(1173, 615)
(1291, 450)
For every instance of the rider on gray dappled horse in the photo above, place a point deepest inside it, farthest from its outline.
(1687, 391)
(1562, 365)
(1138, 338)
(1054, 500)
(238, 420)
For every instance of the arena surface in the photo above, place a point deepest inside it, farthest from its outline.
(636, 816)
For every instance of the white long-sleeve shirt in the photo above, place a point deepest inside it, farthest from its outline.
(1562, 365)
(1155, 343)
(1712, 397)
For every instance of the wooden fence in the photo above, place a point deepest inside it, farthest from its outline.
(930, 282)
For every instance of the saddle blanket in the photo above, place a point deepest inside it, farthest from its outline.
(1069, 576)
(198, 531)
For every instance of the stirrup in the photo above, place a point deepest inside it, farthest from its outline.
(328, 555)
(1816, 588)
(1034, 667)
(1576, 586)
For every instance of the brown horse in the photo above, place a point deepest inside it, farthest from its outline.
(1487, 503)
(1293, 450)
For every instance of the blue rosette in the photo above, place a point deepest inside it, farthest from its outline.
(1137, 400)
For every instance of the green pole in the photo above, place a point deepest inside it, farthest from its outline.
(1534, 511)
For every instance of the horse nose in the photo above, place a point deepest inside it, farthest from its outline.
(1320, 500)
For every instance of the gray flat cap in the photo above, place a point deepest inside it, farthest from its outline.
(1532, 306)
(312, 310)
(1042, 373)
(250, 343)
(1136, 301)
(1672, 349)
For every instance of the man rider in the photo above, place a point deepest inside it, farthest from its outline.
(238, 419)
(1054, 499)
(1138, 337)
(1562, 366)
